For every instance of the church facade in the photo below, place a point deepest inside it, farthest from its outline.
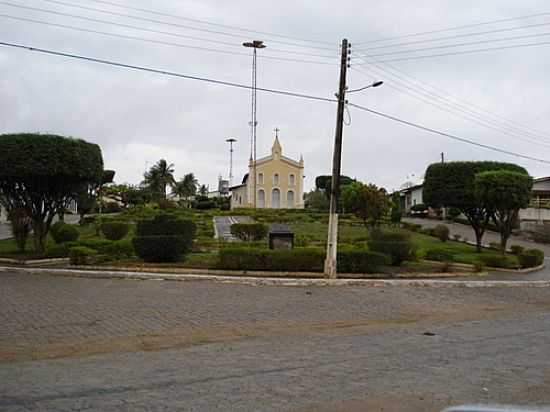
(279, 183)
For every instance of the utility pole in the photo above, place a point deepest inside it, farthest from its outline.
(332, 242)
(442, 157)
(231, 141)
(255, 45)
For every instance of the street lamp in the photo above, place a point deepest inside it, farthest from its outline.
(255, 45)
(374, 84)
(231, 141)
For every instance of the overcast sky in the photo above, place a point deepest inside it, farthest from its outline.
(138, 118)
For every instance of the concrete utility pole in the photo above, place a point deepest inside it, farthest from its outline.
(330, 261)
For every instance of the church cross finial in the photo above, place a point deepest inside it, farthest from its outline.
(277, 130)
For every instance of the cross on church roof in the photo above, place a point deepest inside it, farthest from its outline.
(277, 130)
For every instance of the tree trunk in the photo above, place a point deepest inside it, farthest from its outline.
(39, 237)
(479, 237)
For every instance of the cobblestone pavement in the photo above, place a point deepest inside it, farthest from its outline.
(89, 344)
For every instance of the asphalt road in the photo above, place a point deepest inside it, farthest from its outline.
(104, 345)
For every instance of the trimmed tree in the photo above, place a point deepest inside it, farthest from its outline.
(41, 174)
(504, 193)
(368, 202)
(452, 184)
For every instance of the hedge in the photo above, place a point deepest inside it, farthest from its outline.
(249, 231)
(395, 243)
(160, 248)
(119, 249)
(115, 230)
(531, 258)
(81, 255)
(440, 255)
(498, 261)
(165, 238)
(63, 232)
(299, 260)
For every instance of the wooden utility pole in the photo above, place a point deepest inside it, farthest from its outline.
(332, 242)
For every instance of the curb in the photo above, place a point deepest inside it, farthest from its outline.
(277, 281)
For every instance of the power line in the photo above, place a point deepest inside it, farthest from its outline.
(456, 36)
(147, 40)
(209, 22)
(433, 99)
(166, 73)
(466, 26)
(128, 26)
(446, 46)
(458, 53)
(274, 91)
(441, 94)
(450, 136)
(184, 26)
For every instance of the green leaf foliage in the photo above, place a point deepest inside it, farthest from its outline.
(531, 258)
(65, 233)
(115, 230)
(395, 243)
(249, 231)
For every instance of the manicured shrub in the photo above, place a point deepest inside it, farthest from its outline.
(531, 258)
(165, 238)
(204, 205)
(115, 230)
(111, 207)
(81, 255)
(361, 261)
(440, 255)
(65, 233)
(517, 249)
(249, 231)
(395, 243)
(56, 226)
(497, 261)
(441, 232)
(119, 249)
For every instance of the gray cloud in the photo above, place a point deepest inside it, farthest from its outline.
(140, 117)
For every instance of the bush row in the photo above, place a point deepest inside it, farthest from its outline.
(300, 260)
(119, 249)
(249, 231)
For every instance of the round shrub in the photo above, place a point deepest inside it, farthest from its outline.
(65, 233)
(81, 255)
(115, 230)
(396, 244)
(441, 232)
(531, 258)
(361, 261)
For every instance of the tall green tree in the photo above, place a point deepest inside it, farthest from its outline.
(186, 187)
(504, 193)
(42, 174)
(396, 211)
(368, 202)
(452, 184)
(158, 177)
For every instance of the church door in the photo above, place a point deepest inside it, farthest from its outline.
(276, 199)
(290, 199)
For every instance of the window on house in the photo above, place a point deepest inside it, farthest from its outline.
(291, 180)
(276, 179)
(260, 178)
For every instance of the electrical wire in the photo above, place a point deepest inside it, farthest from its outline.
(274, 91)
(446, 46)
(165, 72)
(432, 99)
(440, 94)
(147, 40)
(128, 26)
(456, 36)
(466, 26)
(458, 53)
(218, 32)
(450, 136)
(209, 22)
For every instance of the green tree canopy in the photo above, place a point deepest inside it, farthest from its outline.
(503, 193)
(452, 184)
(186, 187)
(158, 177)
(368, 202)
(41, 174)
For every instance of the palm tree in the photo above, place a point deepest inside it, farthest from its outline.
(186, 187)
(158, 177)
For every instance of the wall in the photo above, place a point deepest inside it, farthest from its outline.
(284, 169)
